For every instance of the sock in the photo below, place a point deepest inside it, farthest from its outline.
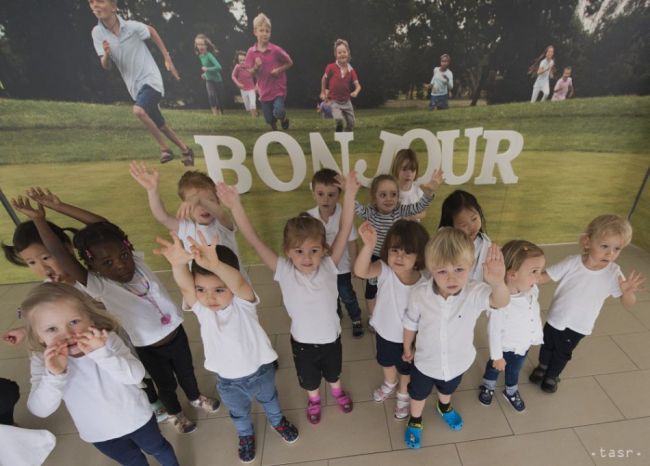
(490, 384)
(444, 407)
(542, 366)
(512, 390)
(336, 392)
(415, 420)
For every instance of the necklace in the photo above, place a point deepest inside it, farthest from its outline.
(165, 318)
(114, 26)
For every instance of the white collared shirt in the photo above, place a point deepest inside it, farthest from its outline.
(444, 347)
(234, 343)
(310, 301)
(101, 391)
(580, 294)
(517, 326)
(130, 55)
(331, 230)
(392, 300)
(139, 316)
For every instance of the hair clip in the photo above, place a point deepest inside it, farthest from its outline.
(19, 313)
(88, 254)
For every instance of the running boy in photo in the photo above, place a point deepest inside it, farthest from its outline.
(442, 82)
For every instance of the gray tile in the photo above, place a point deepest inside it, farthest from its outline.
(624, 442)
(628, 391)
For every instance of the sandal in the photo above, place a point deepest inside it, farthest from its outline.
(344, 401)
(188, 158)
(413, 435)
(452, 418)
(313, 411)
(166, 155)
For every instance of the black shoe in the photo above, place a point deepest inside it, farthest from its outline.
(287, 431)
(247, 448)
(515, 400)
(285, 124)
(549, 385)
(485, 395)
(537, 375)
(357, 329)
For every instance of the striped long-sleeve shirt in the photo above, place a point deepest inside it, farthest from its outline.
(382, 222)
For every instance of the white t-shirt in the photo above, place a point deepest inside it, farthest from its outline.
(440, 85)
(444, 347)
(392, 300)
(580, 293)
(310, 301)
(130, 55)
(25, 447)
(517, 326)
(411, 196)
(546, 66)
(331, 230)
(101, 391)
(481, 246)
(140, 316)
(234, 343)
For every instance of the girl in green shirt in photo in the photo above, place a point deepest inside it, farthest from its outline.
(211, 72)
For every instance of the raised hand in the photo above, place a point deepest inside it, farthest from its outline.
(185, 210)
(203, 253)
(22, 205)
(56, 358)
(434, 183)
(15, 336)
(368, 234)
(44, 197)
(174, 251)
(228, 195)
(348, 183)
(148, 178)
(633, 283)
(494, 267)
(91, 340)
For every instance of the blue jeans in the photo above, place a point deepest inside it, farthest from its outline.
(514, 363)
(348, 296)
(237, 395)
(440, 101)
(274, 110)
(127, 450)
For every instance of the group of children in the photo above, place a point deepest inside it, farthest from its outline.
(101, 325)
(543, 69)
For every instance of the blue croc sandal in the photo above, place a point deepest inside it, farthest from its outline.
(452, 418)
(412, 435)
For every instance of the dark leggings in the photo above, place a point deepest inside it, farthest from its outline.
(9, 395)
(215, 93)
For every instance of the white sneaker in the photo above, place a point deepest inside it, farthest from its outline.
(384, 391)
(402, 407)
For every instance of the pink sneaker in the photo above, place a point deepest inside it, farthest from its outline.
(313, 411)
(344, 401)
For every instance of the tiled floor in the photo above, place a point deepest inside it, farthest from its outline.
(600, 415)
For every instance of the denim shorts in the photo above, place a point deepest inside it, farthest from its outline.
(148, 98)
(389, 354)
(421, 385)
(440, 101)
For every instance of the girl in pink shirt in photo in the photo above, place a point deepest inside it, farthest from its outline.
(243, 79)
(564, 86)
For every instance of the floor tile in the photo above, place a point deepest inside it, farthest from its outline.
(614, 319)
(70, 448)
(637, 347)
(616, 443)
(628, 391)
(443, 455)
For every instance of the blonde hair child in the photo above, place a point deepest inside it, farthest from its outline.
(443, 312)
(308, 281)
(405, 169)
(77, 358)
(584, 282)
(514, 329)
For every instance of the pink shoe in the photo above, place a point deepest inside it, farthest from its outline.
(344, 401)
(313, 411)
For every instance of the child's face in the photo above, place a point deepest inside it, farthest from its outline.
(306, 257)
(241, 59)
(387, 196)
(326, 197)
(528, 274)
(550, 52)
(262, 34)
(444, 63)
(342, 54)
(199, 213)
(469, 221)
(200, 45)
(450, 278)
(400, 261)
(102, 9)
(42, 263)
(58, 322)
(566, 74)
(113, 261)
(406, 176)
(212, 292)
(601, 251)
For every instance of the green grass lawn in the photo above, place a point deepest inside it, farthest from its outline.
(581, 158)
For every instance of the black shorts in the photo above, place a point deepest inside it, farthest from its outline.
(371, 284)
(389, 354)
(314, 362)
(421, 385)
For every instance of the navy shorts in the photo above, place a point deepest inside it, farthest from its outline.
(148, 98)
(371, 284)
(314, 362)
(421, 386)
(389, 354)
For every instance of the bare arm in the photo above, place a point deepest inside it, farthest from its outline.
(363, 266)
(323, 90)
(149, 179)
(494, 271)
(230, 198)
(357, 89)
(178, 258)
(46, 198)
(233, 76)
(409, 338)
(347, 217)
(169, 65)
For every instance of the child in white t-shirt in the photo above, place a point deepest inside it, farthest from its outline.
(405, 170)
(398, 271)
(461, 210)
(308, 281)
(513, 329)
(78, 359)
(584, 282)
(443, 312)
(236, 347)
(542, 69)
(328, 210)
